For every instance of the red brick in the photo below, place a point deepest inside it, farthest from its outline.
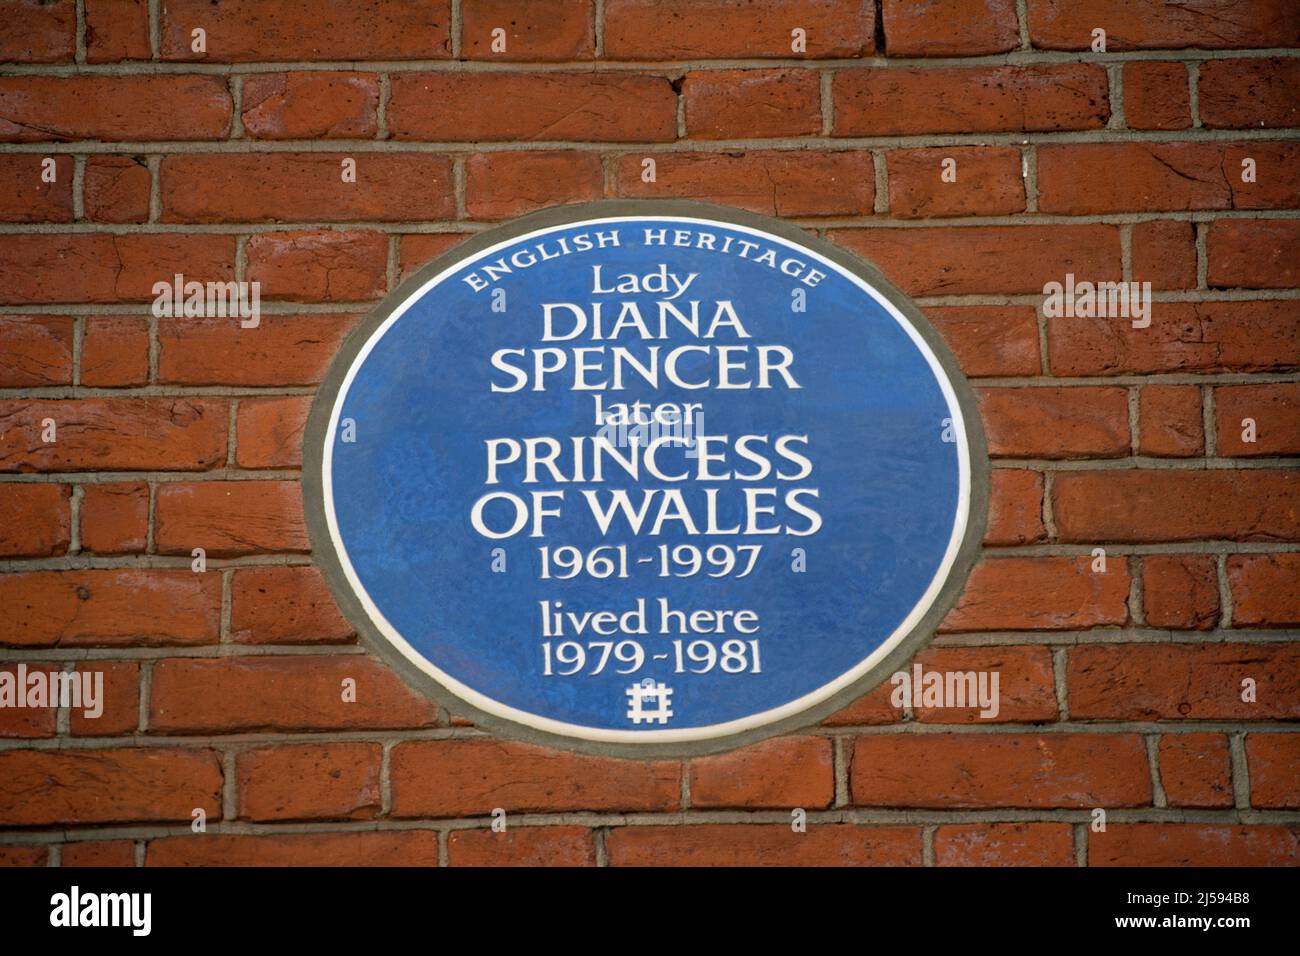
(135, 785)
(1177, 505)
(1154, 24)
(121, 700)
(715, 29)
(950, 27)
(269, 432)
(476, 107)
(752, 104)
(522, 846)
(980, 259)
(228, 518)
(503, 185)
(89, 267)
(1183, 337)
(25, 196)
(991, 99)
(475, 776)
(38, 31)
(873, 707)
(281, 350)
(113, 434)
(1195, 770)
(304, 187)
(117, 188)
(1169, 421)
(1000, 770)
(35, 520)
(1037, 594)
(1181, 591)
(117, 108)
(1265, 589)
(322, 266)
(369, 848)
(1275, 409)
(1263, 254)
(1193, 844)
(98, 853)
(1164, 253)
(117, 30)
(35, 350)
(1157, 96)
(1072, 422)
(417, 250)
(988, 182)
(1015, 508)
(1026, 686)
(1084, 178)
(539, 30)
(724, 844)
(284, 605)
(1183, 681)
(28, 721)
(128, 606)
(1004, 844)
(990, 339)
(782, 773)
(242, 694)
(1273, 762)
(775, 183)
(115, 351)
(241, 31)
(310, 105)
(1248, 94)
(334, 781)
(114, 517)
(23, 855)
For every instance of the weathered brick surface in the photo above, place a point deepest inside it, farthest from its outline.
(284, 605)
(1196, 770)
(1041, 594)
(310, 105)
(35, 520)
(1183, 682)
(693, 29)
(249, 30)
(1181, 590)
(764, 845)
(1170, 423)
(1157, 96)
(1193, 844)
(281, 693)
(522, 846)
(976, 100)
(127, 785)
(1004, 844)
(481, 774)
(115, 517)
(1001, 770)
(109, 607)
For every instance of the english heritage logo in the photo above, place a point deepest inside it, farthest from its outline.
(646, 478)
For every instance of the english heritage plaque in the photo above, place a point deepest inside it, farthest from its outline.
(645, 478)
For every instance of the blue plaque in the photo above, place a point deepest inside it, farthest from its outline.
(645, 478)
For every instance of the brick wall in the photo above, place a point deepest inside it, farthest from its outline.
(1121, 690)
